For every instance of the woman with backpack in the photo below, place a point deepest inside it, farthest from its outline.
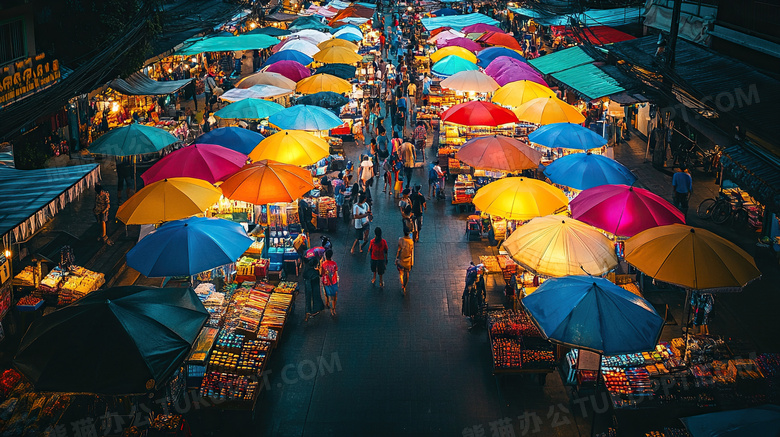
(329, 272)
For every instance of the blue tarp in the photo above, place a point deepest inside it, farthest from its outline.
(457, 22)
(593, 17)
(29, 198)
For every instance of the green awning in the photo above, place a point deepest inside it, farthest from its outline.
(227, 44)
(559, 61)
(589, 81)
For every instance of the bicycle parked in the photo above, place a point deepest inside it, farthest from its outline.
(721, 210)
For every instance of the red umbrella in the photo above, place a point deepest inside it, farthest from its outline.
(438, 30)
(481, 27)
(479, 113)
(460, 42)
(499, 153)
(292, 70)
(502, 39)
(622, 210)
(207, 162)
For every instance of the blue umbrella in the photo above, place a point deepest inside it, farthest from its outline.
(344, 71)
(305, 117)
(567, 136)
(349, 36)
(325, 99)
(133, 139)
(234, 138)
(449, 65)
(336, 29)
(188, 247)
(756, 421)
(289, 55)
(249, 109)
(586, 170)
(444, 12)
(594, 314)
(486, 56)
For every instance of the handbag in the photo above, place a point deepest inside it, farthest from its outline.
(218, 91)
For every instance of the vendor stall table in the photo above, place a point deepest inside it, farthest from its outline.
(517, 346)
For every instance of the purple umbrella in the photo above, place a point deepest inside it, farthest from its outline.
(481, 27)
(459, 42)
(292, 70)
(509, 76)
(505, 63)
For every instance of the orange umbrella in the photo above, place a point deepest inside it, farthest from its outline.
(504, 40)
(499, 153)
(266, 182)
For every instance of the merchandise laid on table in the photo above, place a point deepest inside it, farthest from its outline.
(517, 345)
(59, 287)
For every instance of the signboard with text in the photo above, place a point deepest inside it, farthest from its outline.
(27, 76)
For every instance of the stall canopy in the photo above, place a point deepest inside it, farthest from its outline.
(139, 84)
(588, 81)
(28, 198)
(756, 171)
(596, 35)
(226, 44)
(457, 22)
(593, 17)
(562, 60)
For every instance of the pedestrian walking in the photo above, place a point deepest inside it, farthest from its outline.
(311, 288)
(411, 91)
(409, 156)
(102, 206)
(420, 137)
(405, 200)
(209, 86)
(390, 102)
(404, 259)
(682, 186)
(702, 304)
(435, 179)
(329, 272)
(418, 208)
(407, 221)
(387, 176)
(401, 114)
(366, 175)
(378, 250)
(361, 213)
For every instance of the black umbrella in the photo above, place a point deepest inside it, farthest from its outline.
(344, 71)
(325, 99)
(270, 31)
(118, 341)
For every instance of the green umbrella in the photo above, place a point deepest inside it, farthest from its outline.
(134, 139)
(249, 109)
(449, 65)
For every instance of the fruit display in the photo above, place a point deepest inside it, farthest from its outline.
(517, 343)
(507, 353)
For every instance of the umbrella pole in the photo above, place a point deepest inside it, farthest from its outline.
(687, 312)
(135, 176)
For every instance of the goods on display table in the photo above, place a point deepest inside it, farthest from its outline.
(517, 345)
(69, 284)
(463, 190)
(233, 210)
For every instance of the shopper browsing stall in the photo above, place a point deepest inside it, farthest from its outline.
(311, 288)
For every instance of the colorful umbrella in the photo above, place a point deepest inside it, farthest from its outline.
(556, 245)
(337, 55)
(548, 110)
(471, 80)
(452, 64)
(301, 45)
(293, 70)
(444, 35)
(325, 99)
(586, 170)
(255, 92)
(133, 139)
(305, 117)
(567, 136)
(623, 210)
(336, 42)
(343, 71)
(249, 109)
(444, 12)
(502, 64)
(267, 78)
(344, 26)
(235, 138)
(460, 52)
(594, 314)
(499, 153)
(515, 75)
(208, 162)
(305, 48)
(188, 247)
(486, 56)
(478, 113)
(288, 55)
(692, 258)
(291, 147)
(516, 93)
(266, 182)
(459, 42)
(481, 27)
(349, 29)
(349, 36)
(168, 200)
(312, 34)
(503, 40)
(323, 82)
(519, 198)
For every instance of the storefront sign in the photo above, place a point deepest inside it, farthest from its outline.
(27, 76)
(5, 269)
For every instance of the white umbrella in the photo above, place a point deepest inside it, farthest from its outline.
(304, 46)
(348, 29)
(313, 35)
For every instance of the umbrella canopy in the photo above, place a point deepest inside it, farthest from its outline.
(117, 341)
(567, 136)
(188, 247)
(291, 147)
(503, 40)
(344, 26)
(266, 182)
(270, 31)
(337, 42)
(516, 93)
(472, 80)
(586, 170)
(325, 99)
(292, 38)
(168, 200)
(622, 210)
(234, 138)
(761, 420)
(513, 75)
(314, 25)
(343, 71)
(292, 70)
(249, 109)
(486, 56)
(547, 110)
(289, 55)
(452, 64)
(499, 153)
(556, 245)
(692, 258)
(267, 78)
(594, 314)
(444, 12)
(478, 113)
(302, 45)
(323, 82)
(305, 117)
(349, 36)
(520, 198)
(337, 55)
(445, 35)
(133, 139)
(208, 162)
(313, 35)
(460, 42)
(460, 52)
(481, 27)
(348, 29)
(255, 92)
(502, 64)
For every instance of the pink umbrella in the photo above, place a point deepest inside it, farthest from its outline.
(481, 27)
(504, 63)
(207, 162)
(292, 70)
(460, 42)
(622, 210)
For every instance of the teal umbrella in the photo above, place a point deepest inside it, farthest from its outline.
(449, 65)
(344, 71)
(305, 117)
(134, 139)
(249, 109)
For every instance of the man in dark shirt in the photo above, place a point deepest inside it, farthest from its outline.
(418, 207)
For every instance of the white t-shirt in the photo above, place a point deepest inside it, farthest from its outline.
(367, 170)
(358, 209)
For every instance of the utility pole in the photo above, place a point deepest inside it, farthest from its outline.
(673, 31)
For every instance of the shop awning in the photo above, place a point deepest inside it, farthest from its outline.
(588, 81)
(593, 17)
(227, 44)
(29, 198)
(457, 22)
(755, 171)
(596, 35)
(138, 84)
(563, 60)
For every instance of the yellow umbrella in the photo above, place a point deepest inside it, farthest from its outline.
(548, 110)
(556, 245)
(167, 200)
(337, 55)
(516, 93)
(470, 80)
(323, 82)
(518, 198)
(453, 51)
(337, 42)
(690, 257)
(291, 147)
(266, 182)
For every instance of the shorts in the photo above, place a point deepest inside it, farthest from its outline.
(378, 266)
(359, 233)
(331, 290)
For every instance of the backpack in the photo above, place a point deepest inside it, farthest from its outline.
(432, 173)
